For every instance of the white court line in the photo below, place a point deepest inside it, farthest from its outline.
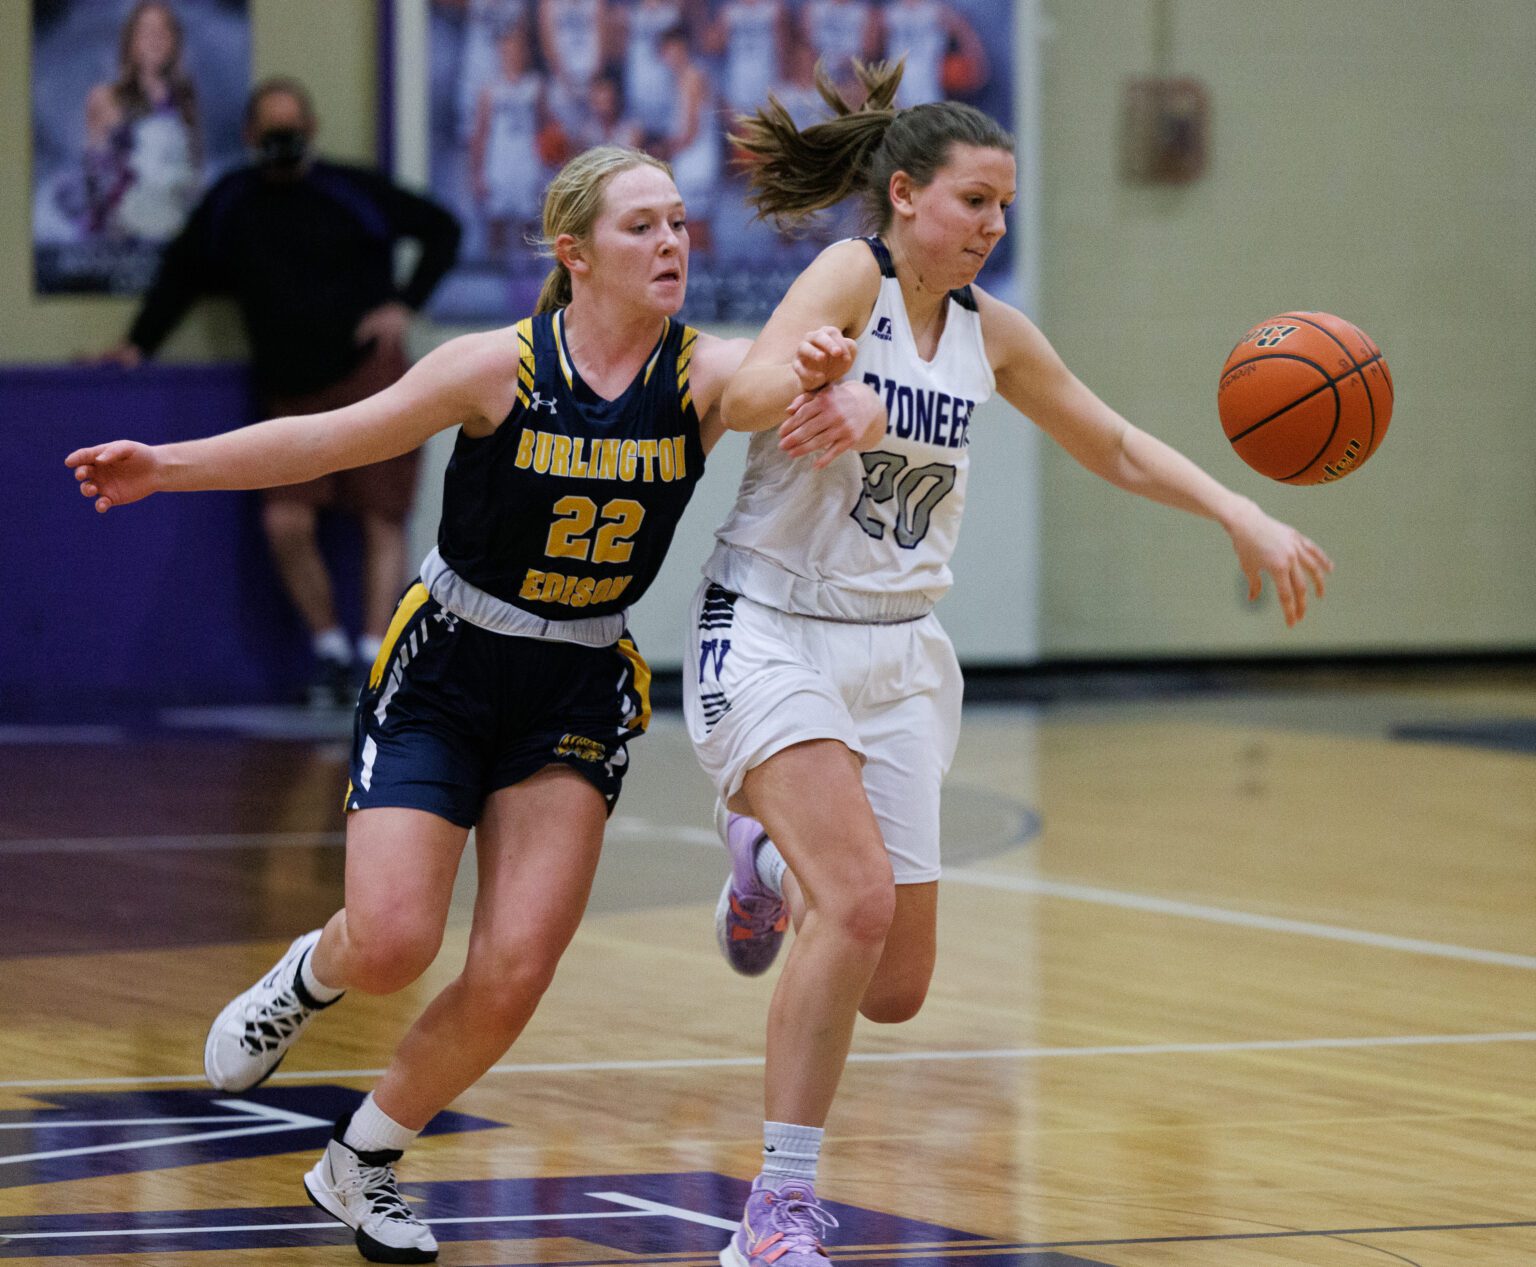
(327, 1223)
(260, 1119)
(618, 829)
(1242, 919)
(671, 1211)
(866, 1057)
(126, 844)
(60, 734)
(44, 1124)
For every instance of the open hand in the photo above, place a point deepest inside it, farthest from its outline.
(1267, 545)
(115, 474)
(832, 421)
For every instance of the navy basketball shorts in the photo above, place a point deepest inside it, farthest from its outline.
(453, 712)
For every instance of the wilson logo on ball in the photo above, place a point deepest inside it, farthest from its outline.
(1271, 336)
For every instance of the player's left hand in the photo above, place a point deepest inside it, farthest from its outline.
(385, 324)
(823, 357)
(1267, 545)
(832, 421)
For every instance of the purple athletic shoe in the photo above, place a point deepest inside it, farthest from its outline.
(781, 1227)
(750, 918)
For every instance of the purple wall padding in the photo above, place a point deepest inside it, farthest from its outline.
(170, 601)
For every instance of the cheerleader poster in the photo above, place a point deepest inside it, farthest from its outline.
(136, 108)
(518, 86)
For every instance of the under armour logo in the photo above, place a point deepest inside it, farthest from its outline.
(540, 400)
(883, 329)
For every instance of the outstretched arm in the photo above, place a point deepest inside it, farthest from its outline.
(465, 381)
(1033, 378)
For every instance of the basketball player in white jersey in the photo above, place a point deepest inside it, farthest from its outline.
(505, 172)
(921, 33)
(839, 31)
(750, 33)
(479, 62)
(572, 34)
(650, 90)
(823, 697)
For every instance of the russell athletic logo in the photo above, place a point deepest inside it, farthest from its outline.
(883, 329)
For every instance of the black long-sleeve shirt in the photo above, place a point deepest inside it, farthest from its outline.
(304, 259)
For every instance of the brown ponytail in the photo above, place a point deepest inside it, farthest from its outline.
(795, 173)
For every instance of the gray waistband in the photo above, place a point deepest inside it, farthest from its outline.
(489, 612)
(764, 581)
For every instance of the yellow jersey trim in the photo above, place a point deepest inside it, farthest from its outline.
(409, 606)
(524, 331)
(650, 365)
(642, 672)
(560, 348)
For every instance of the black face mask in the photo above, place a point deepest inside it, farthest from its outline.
(282, 150)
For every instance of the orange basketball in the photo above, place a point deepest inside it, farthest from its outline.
(960, 75)
(553, 145)
(1305, 398)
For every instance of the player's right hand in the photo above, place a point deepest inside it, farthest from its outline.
(115, 474)
(823, 357)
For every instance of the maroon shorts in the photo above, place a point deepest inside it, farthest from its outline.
(386, 490)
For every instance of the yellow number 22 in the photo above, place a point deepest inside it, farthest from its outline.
(568, 534)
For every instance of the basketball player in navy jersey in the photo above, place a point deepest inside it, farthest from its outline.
(507, 688)
(826, 707)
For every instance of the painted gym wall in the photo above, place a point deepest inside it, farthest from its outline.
(1371, 159)
(331, 46)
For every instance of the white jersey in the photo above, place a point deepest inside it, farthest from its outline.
(649, 86)
(479, 63)
(870, 537)
(514, 176)
(579, 31)
(836, 30)
(751, 52)
(917, 32)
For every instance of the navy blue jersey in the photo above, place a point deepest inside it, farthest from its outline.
(568, 508)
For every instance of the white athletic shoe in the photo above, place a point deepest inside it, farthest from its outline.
(250, 1037)
(359, 1189)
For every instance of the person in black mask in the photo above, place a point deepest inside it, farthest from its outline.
(306, 248)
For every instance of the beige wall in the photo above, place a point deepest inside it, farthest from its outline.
(1372, 159)
(331, 46)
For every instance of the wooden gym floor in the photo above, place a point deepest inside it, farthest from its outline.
(1227, 978)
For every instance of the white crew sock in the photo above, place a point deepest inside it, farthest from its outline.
(316, 988)
(770, 866)
(368, 648)
(372, 1130)
(332, 644)
(790, 1152)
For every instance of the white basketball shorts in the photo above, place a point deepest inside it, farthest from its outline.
(757, 680)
